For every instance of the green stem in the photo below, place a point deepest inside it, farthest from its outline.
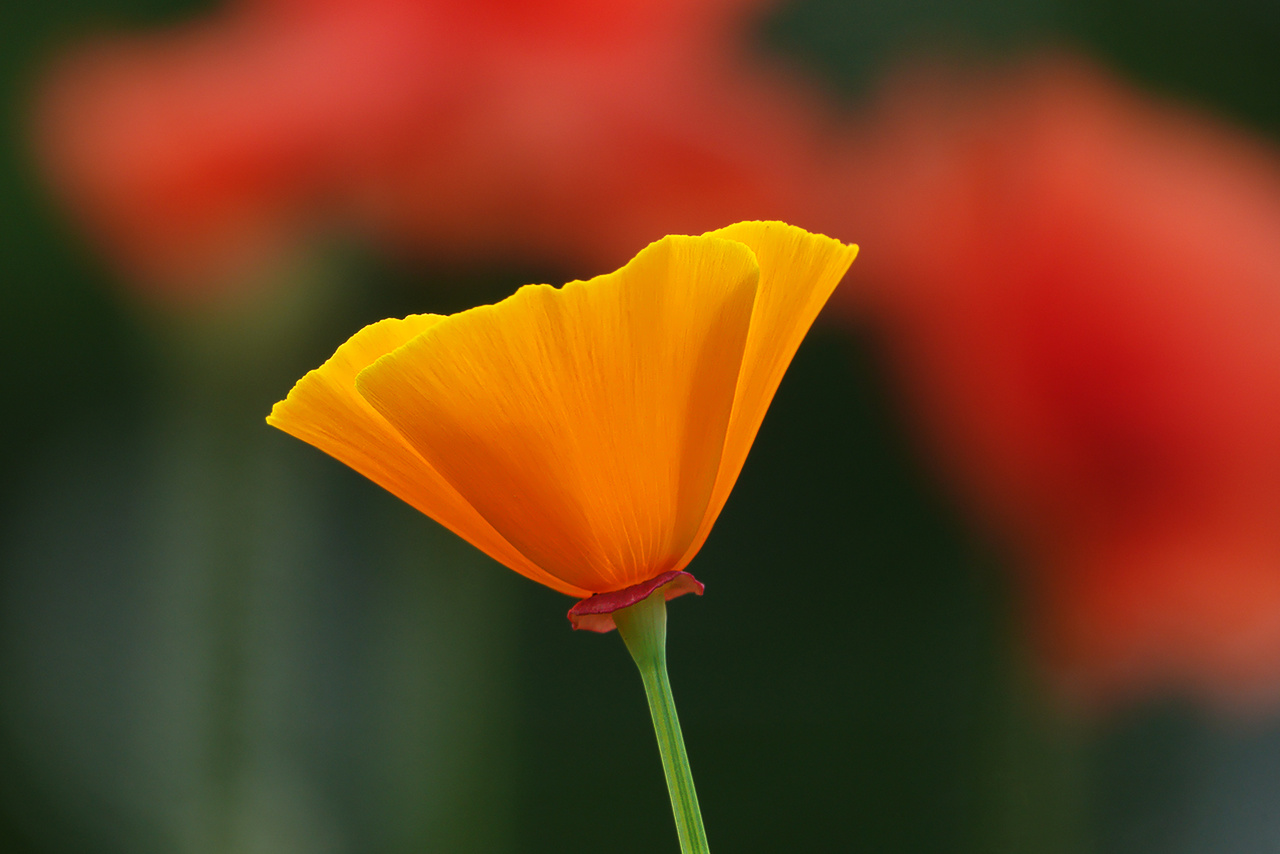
(643, 627)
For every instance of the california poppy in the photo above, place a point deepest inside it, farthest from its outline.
(585, 436)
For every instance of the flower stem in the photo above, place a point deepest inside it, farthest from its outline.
(643, 627)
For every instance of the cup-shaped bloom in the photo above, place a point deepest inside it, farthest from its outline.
(585, 436)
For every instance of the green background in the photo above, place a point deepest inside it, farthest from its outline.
(215, 639)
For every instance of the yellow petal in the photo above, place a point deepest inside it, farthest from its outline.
(798, 272)
(585, 423)
(325, 410)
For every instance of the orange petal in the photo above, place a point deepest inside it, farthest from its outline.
(798, 272)
(585, 423)
(325, 410)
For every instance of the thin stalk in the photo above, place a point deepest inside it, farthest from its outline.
(643, 627)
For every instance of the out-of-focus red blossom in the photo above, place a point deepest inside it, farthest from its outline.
(569, 129)
(199, 155)
(1082, 288)
(552, 157)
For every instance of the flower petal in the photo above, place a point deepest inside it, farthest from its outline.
(798, 272)
(325, 410)
(585, 423)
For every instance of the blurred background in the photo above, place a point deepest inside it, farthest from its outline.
(1002, 572)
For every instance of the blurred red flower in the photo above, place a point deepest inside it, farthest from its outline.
(1082, 288)
(551, 152)
(199, 155)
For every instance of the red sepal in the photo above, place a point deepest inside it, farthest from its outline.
(595, 613)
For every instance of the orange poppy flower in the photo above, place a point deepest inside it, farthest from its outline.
(586, 436)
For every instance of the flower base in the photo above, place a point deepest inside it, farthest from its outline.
(595, 613)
